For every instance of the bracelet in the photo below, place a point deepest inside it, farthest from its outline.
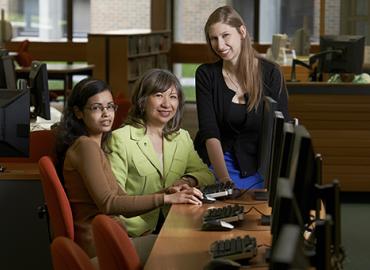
(191, 181)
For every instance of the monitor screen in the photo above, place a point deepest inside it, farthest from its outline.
(265, 146)
(303, 174)
(14, 123)
(39, 90)
(350, 58)
(7, 71)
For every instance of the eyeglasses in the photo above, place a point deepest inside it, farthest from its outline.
(95, 108)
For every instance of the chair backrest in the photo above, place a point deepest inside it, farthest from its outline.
(56, 200)
(42, 143)
(124, 106)
(67, 255)
(113, 247)
(24, 58)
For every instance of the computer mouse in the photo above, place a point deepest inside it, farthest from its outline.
(217, 225)
(207, 199)
(222, 264)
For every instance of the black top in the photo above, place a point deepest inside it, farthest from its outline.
(215, 108)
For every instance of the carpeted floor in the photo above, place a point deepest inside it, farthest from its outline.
(355, 211)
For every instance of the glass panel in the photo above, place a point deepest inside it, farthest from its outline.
(81, 19)
(186, 75)
(362, 7)
(362, 28)
(246, 9)
(37, 19)
(287, 16)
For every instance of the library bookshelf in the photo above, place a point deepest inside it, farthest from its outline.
(120, 57)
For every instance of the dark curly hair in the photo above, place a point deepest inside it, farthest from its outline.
(151, 82)
(71, 128)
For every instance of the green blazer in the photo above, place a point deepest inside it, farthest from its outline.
(138, 169)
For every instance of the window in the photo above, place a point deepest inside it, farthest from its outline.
(81, 19)
(37, 19)
(287, 16)
(355, 18)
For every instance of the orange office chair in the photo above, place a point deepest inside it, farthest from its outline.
(42, 143)
(113, 247)
(58, 206)
(67, 255)
(122, 111)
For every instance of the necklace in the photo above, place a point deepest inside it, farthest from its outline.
(239, 95)
(233, 83)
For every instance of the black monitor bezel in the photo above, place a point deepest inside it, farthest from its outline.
(351, 56)
(7, 71)
(303, 174)
(284, 159)
(38, 81)
(285, 209)
(277, 148)
(265, 145)
(289, 249)
(14, 131)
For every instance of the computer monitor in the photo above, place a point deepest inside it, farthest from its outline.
(7, 71)
(323, 246)
(303, 172)
(349, 55)
(277, 148)
(38, 80)
(289, 251)
(14, 123)
(265, 146)
(330, 195)
(285, 209)
(282, 160)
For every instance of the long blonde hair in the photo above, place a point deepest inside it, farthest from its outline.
(250, 72)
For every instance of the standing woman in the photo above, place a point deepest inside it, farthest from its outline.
(150, 152)
(88, 179)
(229, 97)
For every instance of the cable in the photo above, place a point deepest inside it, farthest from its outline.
(256, 209)
(246, 190)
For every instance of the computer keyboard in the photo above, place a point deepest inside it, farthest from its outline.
(238, 248)
(229, 213)
(218, 190)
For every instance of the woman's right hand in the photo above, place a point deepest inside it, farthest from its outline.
(191, 196)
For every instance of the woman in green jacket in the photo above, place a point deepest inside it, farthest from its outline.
(150, 152)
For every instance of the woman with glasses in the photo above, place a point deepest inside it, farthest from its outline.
(150, 152)
(88, 179)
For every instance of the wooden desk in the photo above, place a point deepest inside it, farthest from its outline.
(62, 72)
(182, 245)
(24, 236)
(20, 171)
